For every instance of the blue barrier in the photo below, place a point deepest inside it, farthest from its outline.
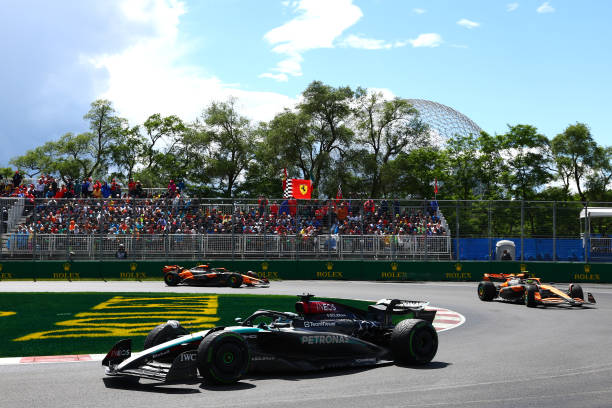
(535, 249)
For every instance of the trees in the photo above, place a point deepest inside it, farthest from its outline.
(527, 157)
(227, 140)
(575, 152)
(385, 128)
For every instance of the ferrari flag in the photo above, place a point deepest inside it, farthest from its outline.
(301, 189)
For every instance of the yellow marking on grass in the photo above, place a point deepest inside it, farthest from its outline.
(4, 314)
(112, 318)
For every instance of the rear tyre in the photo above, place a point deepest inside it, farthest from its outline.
(487, 291)
(171, 278)
(530, 291)
(575, 291)
(235, 281)
(223, 357)
(414, 341)
(164, 332)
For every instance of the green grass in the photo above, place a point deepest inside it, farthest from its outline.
(90, 323)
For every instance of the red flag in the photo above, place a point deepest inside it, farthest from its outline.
(436, 186)
(301, 189)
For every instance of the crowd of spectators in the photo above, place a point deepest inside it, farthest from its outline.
(95, 207)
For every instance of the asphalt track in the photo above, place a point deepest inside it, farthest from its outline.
(504, 355)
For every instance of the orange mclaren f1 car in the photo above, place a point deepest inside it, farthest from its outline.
(204, 275)
(530, 290)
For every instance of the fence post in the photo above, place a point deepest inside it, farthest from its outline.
(554, 231)
(489, 225)
(522, 229)
(587, 232)
(457, 228)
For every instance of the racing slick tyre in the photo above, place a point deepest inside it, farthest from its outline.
(575, 291)
(171, 278)
(223, 357)
(235, 281)
(414, 341)
(170, 330)
(530, 291)
(487, 291)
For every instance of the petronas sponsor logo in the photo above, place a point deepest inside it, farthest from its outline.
(328, 339)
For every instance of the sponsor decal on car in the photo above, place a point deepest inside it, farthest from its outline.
(319, 324)
(324, 339)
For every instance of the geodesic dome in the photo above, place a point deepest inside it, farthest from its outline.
(443, 120)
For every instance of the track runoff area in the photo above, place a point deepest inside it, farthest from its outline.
(502, 355)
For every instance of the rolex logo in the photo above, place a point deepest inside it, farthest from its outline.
(264, 266)
(133, 266)
(66, 267)
(458, 267)
(393, 266)
(587, 268)
(330, 266)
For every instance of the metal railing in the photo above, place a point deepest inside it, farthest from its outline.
(547, 231)
(14, 211)
(201, 246)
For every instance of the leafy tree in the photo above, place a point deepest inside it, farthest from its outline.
(160, 129)
(228, 139)
(574, 152)
(386, 128)
(127, 150)
(527, 157)
(105, 127)
(327, 111)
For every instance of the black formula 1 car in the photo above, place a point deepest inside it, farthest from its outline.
(529, 290)
(319, 335)
(204, 275)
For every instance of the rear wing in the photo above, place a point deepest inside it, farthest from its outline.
(392, 307)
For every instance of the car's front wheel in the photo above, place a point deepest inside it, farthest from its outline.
(530, 291)
(414, 341)
(170, 330)
(487, 291)
(575, 291)
(235, 281)
(223, 357)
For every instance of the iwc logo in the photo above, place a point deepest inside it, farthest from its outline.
(264, 266)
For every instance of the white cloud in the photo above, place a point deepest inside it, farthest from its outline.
(317, 25)
(427, 40)
(511, 6)
(148, 77)
(355, 41)
(545, 8)
(419, 11)
(464, 22)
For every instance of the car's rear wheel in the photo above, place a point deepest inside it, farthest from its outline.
(575, 291)
(414, 341)
(171, 278)
(170, 330)
(223, 357)
(235, 281)
(487, 291)
(529, 296)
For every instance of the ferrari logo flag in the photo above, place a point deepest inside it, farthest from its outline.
(301, 189)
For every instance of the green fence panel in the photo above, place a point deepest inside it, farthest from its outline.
(471, 271)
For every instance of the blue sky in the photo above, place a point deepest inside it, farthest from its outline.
(543, 63)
